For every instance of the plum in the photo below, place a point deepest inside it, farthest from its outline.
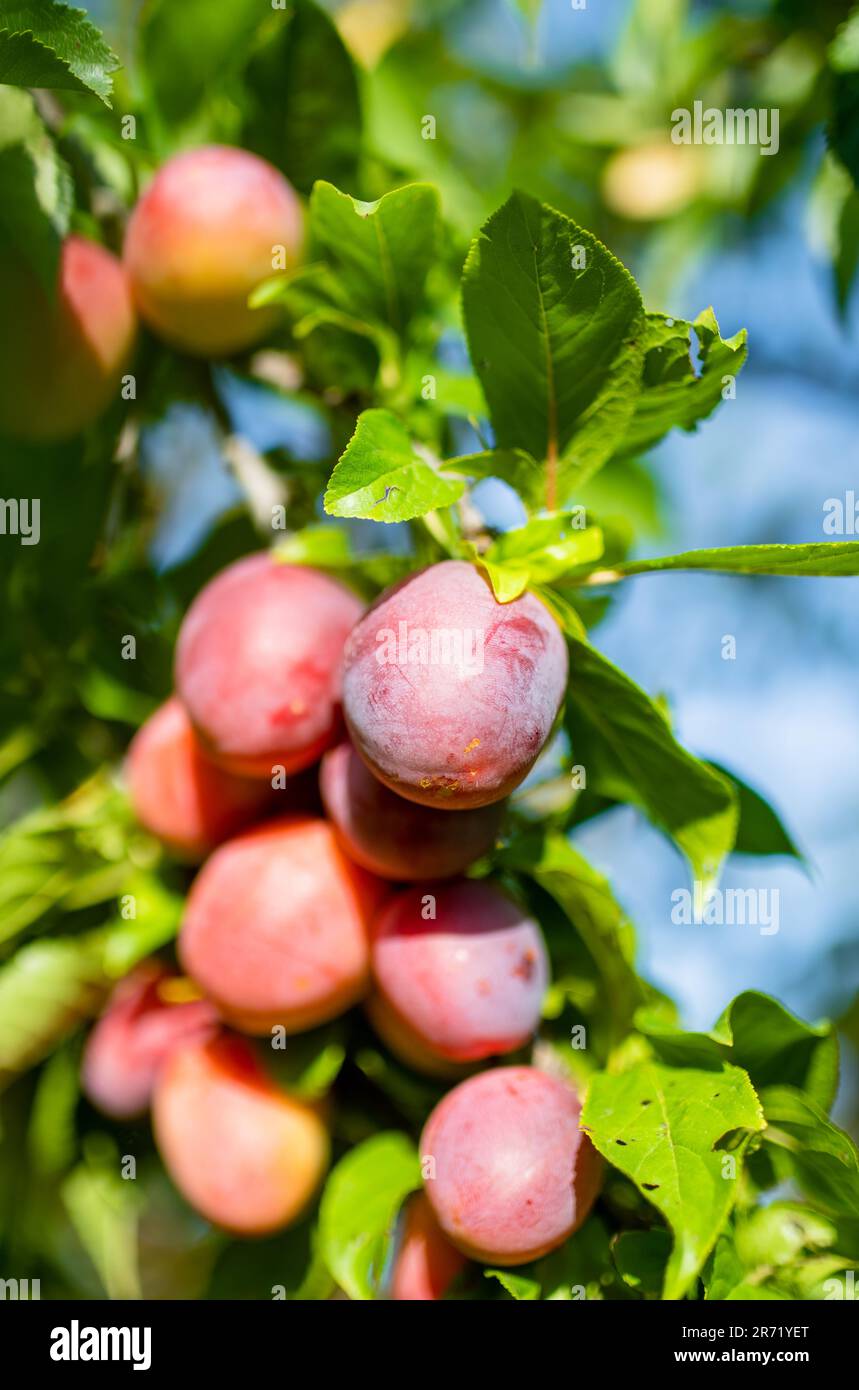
(258, 664)
(449, 696)
(462, 987)
(179, 794)
(426, 1263)
(276, 927)
(509, 1173)
(212, 225)
(62, 355)
(139, 1029)
(394, 838)
(245, 1154)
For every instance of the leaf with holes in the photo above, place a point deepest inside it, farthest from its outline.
(660, 1126)
(672, 394)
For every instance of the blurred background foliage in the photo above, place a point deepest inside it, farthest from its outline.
(573, 104)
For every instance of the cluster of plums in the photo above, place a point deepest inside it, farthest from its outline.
(322, 890)
(318, 889)
(211, 226)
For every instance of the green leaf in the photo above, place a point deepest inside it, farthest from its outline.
(760, 831)
(641, 1258)
(108, 698)
(36, 192)
(512, 466)
(557, 344)
(566, 614)
(328, 316)
(750, 1293)
(522, 1289)
(328, 547)
(538, 552)
(48, 987)
(307, 117)
(582, 1265)
(455, 393)
(823, 1158)
(775, 1046)
(317, 1286)
(630, 754)
(830, 558)
(530, 9)
(843, 135)
(286, 1263)
(846, 249)
(325, 546)
(383, 476)
(759, 1034)
(724, 1270)
(660, 1127)
(310, 1063)
(47, 44)
(777, 1234)
(580, 1268)
(672, 395)
(782, 1250)
(51, 1140)
(71, 854)
(381, 252)
(587, 900)
(188, 49)
(844, 123)
(359, 1207)
(104, 1209)
(843, 52)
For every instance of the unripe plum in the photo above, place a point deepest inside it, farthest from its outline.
(276, 927)
(179, 794)
(259, 663)
(511, 1173)
(449, 695)
(396, 838)
(459, 988)
(243, 1153)
(62, 357)
(213, 224)
(138, 1031)
(426, 1263)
